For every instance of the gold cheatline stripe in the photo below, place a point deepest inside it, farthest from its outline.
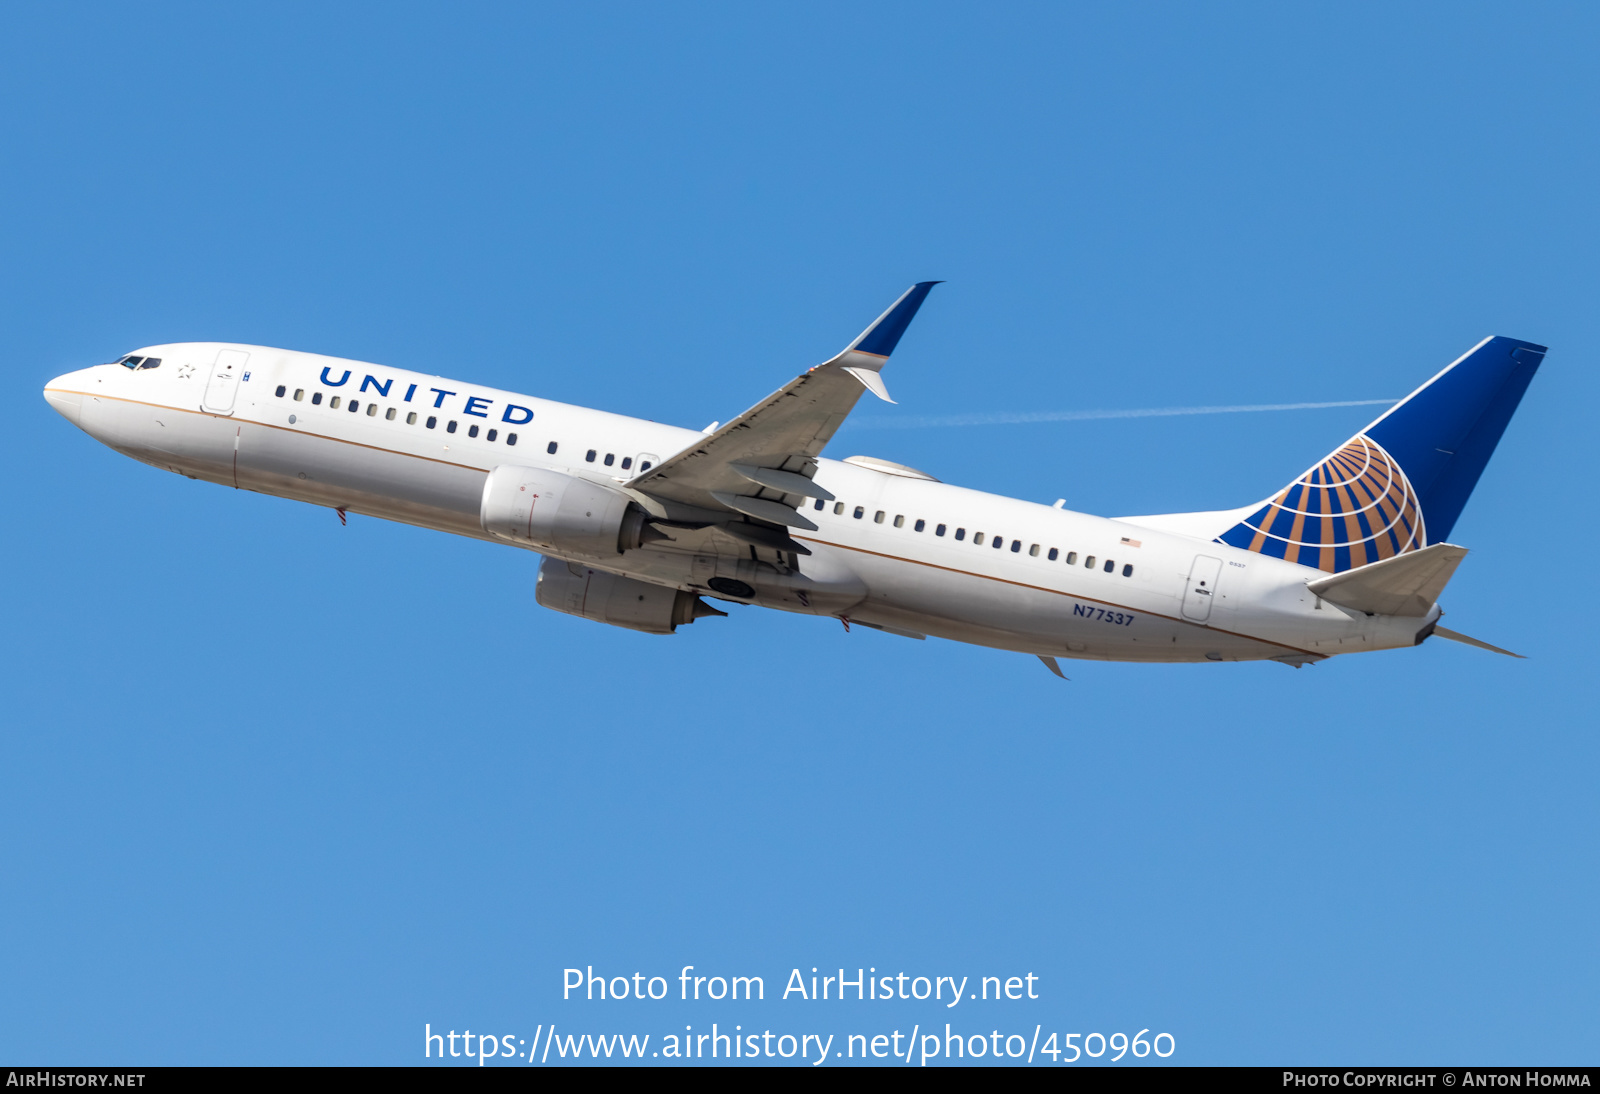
(861, 550)
(1057, 592)
(267, 425)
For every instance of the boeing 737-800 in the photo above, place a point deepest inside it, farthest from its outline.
(638, 521)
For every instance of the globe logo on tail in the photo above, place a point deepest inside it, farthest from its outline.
(1353, 508)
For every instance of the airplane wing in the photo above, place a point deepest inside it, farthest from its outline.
(760, 464)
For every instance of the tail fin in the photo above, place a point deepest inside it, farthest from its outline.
(1399, 484)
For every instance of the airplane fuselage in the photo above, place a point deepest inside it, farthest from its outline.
(894, 549)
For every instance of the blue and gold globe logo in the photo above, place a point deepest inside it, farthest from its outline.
(1353, 508)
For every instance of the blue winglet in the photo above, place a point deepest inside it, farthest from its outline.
(881, 338)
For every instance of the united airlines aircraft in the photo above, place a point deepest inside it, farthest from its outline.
(639, 522)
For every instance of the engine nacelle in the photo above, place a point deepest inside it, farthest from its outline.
(562, 514)
(620, 601)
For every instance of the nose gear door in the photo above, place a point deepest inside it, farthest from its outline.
(1202, 588)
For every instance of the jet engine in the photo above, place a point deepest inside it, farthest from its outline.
(621, 601)
(562, 514)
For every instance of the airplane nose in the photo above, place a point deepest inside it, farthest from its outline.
(69, 404)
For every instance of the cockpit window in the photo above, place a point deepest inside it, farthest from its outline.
(130, 361)
(150, 362)
(134, 361)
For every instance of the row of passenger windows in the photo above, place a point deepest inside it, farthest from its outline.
(431, 422)
(611, 458)
(978, 538)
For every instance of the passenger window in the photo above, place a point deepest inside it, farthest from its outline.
(372, 410)
(1072, 558)
(354, 406)
(472, 430)
(551, 448)
(431, 422)
(1053, 555)
(1110, 566)
(819, 505)
(316, 398)
(492, 434)
(511, 438)
(878, 517)
(838, 507)
(1089, 562)
(611, 458)
(589, 458)
(1127, 571)
(961, 533)
(299, 393)
(280, 391)
(860, 512)
(627, 462)
(919, 526)
(411, 418)
(1033, 552)
(333, 403)
(899, 520)
(977, 537)
(999, 542)
(644, 465)
(388, 415)
(939, 531)
(450, 426)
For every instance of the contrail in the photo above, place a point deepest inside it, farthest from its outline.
(1002, 418)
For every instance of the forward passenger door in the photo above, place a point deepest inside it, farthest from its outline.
(222, 386)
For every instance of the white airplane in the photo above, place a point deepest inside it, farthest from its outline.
(638, 521)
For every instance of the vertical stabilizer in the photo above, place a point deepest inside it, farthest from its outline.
(1399, 484)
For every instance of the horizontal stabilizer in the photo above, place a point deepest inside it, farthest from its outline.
(1407, 584)
(1457, 636)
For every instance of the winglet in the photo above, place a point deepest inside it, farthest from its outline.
(885, 332)
(870, 380)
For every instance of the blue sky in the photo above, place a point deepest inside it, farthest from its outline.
(280, 791)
